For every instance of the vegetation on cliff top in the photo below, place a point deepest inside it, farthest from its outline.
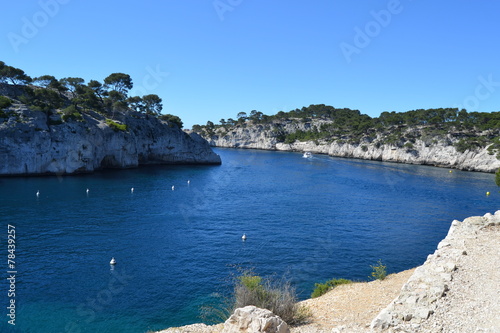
(326, 124)
(71, 97)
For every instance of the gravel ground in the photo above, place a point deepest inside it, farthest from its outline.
(351, 307)
(472, 303)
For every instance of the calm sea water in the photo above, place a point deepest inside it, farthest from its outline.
(311, 220)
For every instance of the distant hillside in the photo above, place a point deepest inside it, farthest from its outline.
(444, 137)
(50, 126)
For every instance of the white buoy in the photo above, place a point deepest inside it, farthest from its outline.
(37, 193)
(88, 191)
(132, 190)
(244, 237)
(189, 182)
(173, 187)
(113, 261)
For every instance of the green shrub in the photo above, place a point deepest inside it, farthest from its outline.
(5, 102)
(71, 113)
(251, 282)
(494, 147)
(278, 296)
(408, 146)
(72, 116)
(379, 271)
(323, 288)
(310, 135)
(172, 119)
(116, 126)
(472, 144)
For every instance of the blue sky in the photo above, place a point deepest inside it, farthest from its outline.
(210, 59)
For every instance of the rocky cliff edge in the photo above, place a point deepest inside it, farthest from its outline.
(422, 149)
(32, 143)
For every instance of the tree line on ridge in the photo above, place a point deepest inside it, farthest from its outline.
(73, 96)
(474, 130)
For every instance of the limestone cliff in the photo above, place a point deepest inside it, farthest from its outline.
(32, 143)
(414, 146)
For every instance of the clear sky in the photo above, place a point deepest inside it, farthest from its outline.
(210, 59)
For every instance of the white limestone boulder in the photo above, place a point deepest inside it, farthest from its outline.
(251, 319)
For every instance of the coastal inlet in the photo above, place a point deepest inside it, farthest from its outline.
(311, 219)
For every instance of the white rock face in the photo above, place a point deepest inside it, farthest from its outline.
(421, 295)
(29, 145)
(251, 319)
(441, 153)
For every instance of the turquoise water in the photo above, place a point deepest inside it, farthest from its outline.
(311, 219)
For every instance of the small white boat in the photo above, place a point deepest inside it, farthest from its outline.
(113, 261)
(307, 154)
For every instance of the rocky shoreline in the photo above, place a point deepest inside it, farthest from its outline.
(438, 156)
(420, 148)
(461, 275)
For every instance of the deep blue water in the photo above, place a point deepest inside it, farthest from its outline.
(312, 220)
